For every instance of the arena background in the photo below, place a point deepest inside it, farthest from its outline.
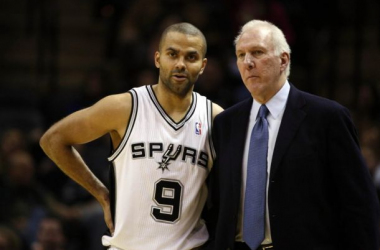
(58, 56)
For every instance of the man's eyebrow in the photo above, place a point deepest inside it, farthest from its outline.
(192, 52)
(172, 49)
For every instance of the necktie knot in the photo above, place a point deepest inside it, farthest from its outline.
(263, 112)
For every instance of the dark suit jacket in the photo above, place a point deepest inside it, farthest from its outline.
(321, 195)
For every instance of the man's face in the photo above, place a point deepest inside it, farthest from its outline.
(180, 62)
(261, 70)
(50, 234)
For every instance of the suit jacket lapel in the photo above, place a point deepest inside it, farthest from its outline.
(240, 127)
(293, 116)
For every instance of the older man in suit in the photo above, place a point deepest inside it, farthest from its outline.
(289, 172)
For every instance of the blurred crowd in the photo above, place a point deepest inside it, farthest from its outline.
(41, 209)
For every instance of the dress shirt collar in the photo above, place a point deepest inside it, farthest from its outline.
(276, 104)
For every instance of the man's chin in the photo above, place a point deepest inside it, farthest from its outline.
(181, 88)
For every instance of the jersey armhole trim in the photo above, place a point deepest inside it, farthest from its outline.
(209, 118)
(130, 125)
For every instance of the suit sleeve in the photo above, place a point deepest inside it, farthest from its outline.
(358, 203)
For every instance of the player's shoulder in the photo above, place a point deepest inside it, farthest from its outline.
(116, 103)
(120, 98)
(216, 110)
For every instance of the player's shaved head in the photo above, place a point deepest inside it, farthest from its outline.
(187, 29)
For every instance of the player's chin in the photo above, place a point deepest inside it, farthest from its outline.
(183, 88)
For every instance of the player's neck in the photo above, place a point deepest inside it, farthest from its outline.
(175, 106)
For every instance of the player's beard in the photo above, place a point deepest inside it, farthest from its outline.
(180, 89)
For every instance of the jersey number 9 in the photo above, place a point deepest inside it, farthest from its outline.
(168, 198)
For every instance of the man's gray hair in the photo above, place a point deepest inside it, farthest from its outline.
(278, 38)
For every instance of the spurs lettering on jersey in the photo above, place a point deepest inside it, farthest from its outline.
(187, 154)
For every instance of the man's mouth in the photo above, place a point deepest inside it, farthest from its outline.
(250, 77)
(180, 76)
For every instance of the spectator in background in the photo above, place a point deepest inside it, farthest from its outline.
(211, 84)
(11, 141)
(241, 11)
(370, 141)
(9, 240)
(368, 104)
(24, 201)
(50, 235)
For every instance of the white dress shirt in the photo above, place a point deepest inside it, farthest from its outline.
(276, 106)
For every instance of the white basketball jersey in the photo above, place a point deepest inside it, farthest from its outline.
(160, 169)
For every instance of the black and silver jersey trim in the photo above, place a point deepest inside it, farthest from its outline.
(176, 126)
(209, 122)
(130, 125)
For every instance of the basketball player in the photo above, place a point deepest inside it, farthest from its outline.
(161, 136)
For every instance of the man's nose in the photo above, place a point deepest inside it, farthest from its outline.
(248, 60)
(180, 63)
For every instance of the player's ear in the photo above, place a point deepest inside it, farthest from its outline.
(204, 62)
(157, 59)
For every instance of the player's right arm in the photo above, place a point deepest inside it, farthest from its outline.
(109, 115)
